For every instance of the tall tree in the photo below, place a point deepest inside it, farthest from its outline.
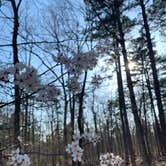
(154, 73)
(122, 106)
(15, 8)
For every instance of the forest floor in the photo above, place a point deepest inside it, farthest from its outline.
(157, 163)
(161, 163)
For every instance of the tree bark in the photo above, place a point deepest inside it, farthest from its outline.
(80, 113)
(127, 140)
(157, 125)
(15, 61)
(154, 73)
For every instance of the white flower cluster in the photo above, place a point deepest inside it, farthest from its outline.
(109, 159)
(48, 92)
(75, 65)
(26, 79)
(75, 150)
(82, 61)
(18, 159)
(73, 84)
(61, 58)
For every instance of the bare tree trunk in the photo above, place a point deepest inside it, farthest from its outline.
(80, 114)
(15, 61)
(65, 108)
(26, 121)
(72, 118)
(65, 111)
(72, 112)
(157, 126)
(122, 120)
(95, 120)
(52, 137)
(122, 105)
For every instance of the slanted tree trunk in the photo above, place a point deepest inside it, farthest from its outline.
(122, 117)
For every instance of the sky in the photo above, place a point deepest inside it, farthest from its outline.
(37, 12)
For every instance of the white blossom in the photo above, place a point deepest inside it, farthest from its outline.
(61, 58)
(29, 79)
(74, 148)
(73, 84)
(48, 92)
(76, 137)
(24, 76)
(109, 159)
(18, 159)
(84, 61)
(78, 62)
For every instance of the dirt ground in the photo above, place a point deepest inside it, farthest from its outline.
(157, 163)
